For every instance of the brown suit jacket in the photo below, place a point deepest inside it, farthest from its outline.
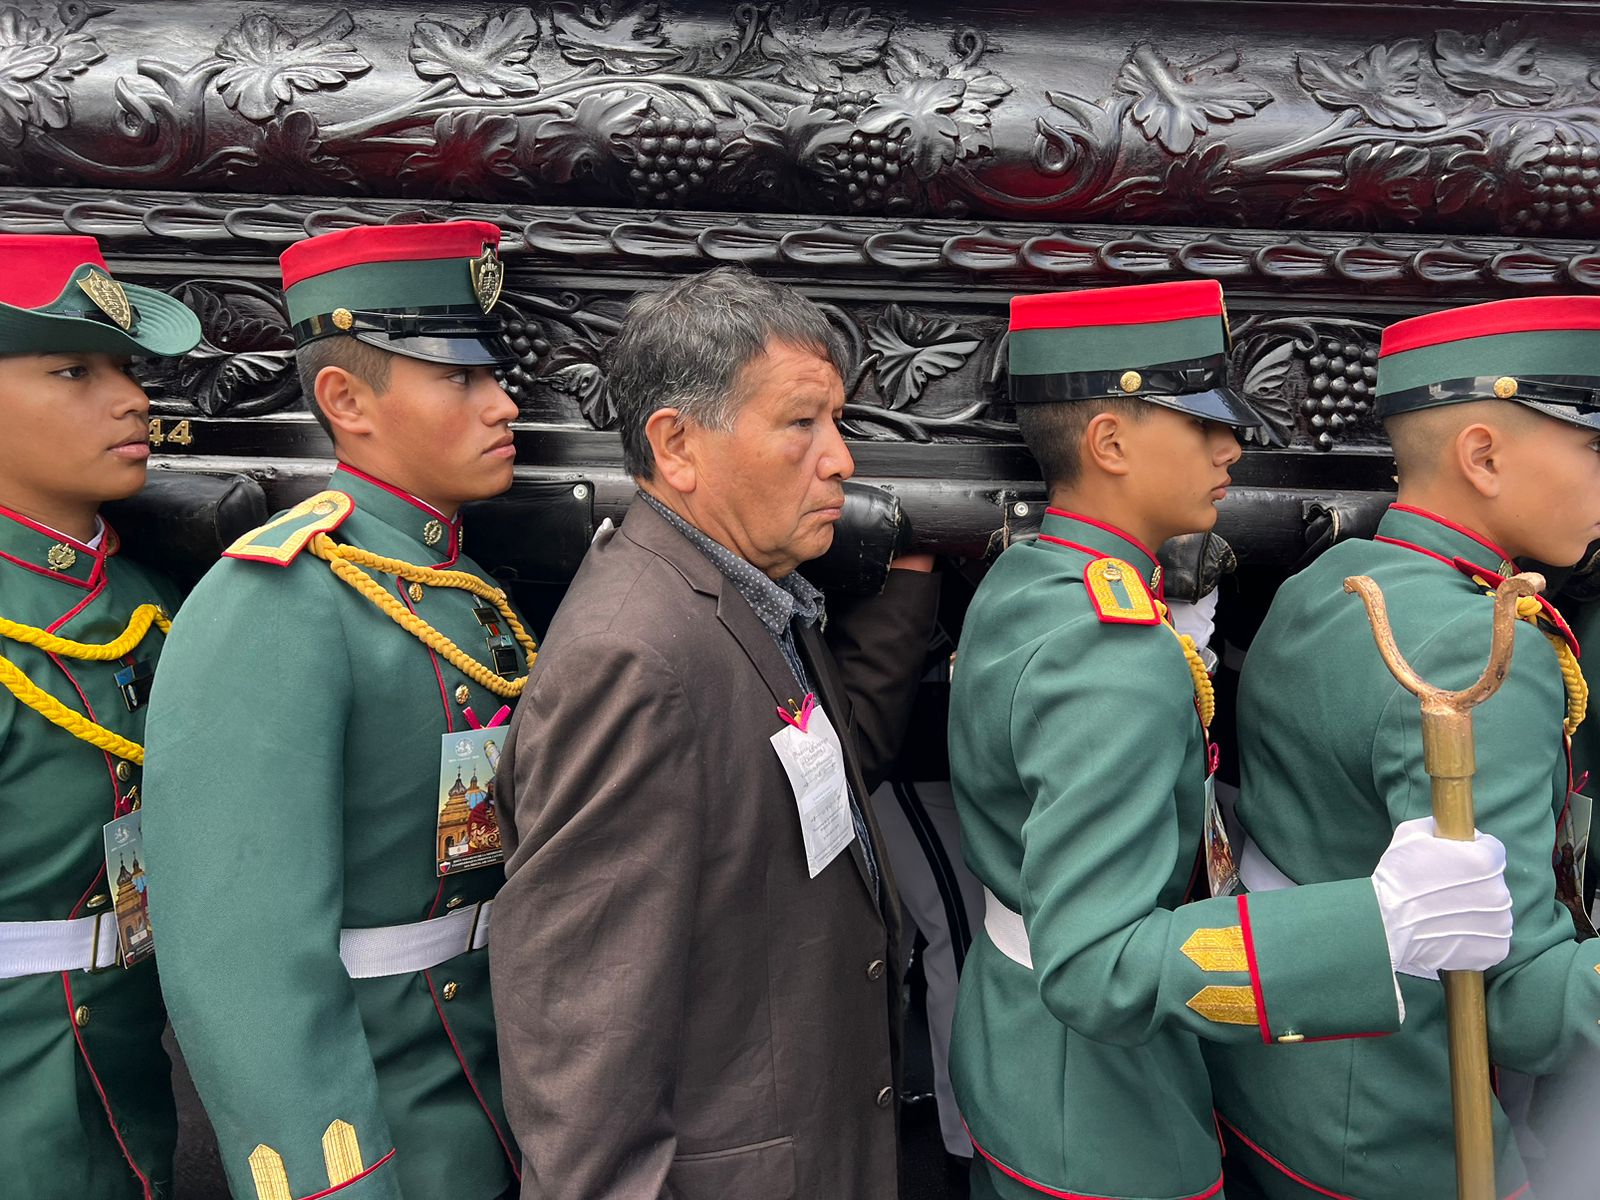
(682, 1012)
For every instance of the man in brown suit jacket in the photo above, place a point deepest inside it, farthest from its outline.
(685, 1012)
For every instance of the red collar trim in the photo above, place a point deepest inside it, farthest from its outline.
(1121, 533)
(415, 502)
(1499, 554)
(1468, 569)
(110, 543)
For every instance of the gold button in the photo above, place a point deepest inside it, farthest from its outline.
(450, 990)
(1131, 381)
(432, 532)
(96, 900)
(453, 902)
(1505, 387)
(80, 1016)
(463, 694)
(322, 508)
(885, 1095)
(124, 771)
(1289, 1039)
(875, 969)
(343, 318)
(415, 592)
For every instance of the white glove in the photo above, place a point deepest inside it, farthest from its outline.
(1199, 621)
(1445, 905)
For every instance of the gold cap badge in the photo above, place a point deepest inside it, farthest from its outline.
(1131, 381)
(488, 276)
(1505, 387)
(109, 298)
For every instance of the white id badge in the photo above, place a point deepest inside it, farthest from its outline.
(813, 759)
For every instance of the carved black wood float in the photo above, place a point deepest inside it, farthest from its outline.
(909, 166)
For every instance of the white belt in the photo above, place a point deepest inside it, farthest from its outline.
(1257, 873)
(44, 947)
(1006, 930)
(402, 949)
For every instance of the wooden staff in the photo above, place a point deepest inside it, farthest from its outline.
(1448, 758)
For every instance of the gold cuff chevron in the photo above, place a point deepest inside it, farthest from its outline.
(1217, 949)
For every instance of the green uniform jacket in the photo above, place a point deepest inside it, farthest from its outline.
(1332, 761)
(85, 1101)
(291, 788)
(1079, 769)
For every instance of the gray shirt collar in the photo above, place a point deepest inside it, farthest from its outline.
(778, 602)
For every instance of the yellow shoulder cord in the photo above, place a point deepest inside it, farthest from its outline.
(30, 694)
(1577, 688)
(1205, 696)
(346, 562)
(1529, 608)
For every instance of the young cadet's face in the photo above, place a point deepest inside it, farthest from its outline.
(77, 432)
(1179, 470)
(1549, 501)
(443, 432)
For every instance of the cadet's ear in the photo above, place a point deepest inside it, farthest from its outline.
(670, 443)
(344, 398)
(1479, 449)
(1103, 446)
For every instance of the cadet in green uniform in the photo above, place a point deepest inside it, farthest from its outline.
(320, 748)
(1081, 769)
(85, 1087)
(1498, 447)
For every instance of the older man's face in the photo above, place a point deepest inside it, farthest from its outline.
(772, 487)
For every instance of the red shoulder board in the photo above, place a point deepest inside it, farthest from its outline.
(1548, 614)
(1119, 593)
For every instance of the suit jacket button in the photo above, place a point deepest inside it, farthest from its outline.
(124, 771)
(463, 693)
(80, 1016)
(875, 969)
(450, 990)
(1291, 1038)
(885, 1095)
(96, 900)
(453, 902)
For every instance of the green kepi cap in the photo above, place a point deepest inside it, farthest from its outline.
(424, 291)
(57, 295)
(1539, 351)
(1162, 342)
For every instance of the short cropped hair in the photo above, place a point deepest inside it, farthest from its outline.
(685, 346)
(367, 363)
(1054, 432)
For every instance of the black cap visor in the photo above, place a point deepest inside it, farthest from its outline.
(1222, 405)
(1586, 415)
(481, 350)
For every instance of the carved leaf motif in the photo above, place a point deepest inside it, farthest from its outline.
(1382, 84)
(574, 369)
(914, 350)
(1381, 180)
(814, 48)
(470, 151)
(292, 146)
(1265, 387)
(1501, 63)
(1175, 103)
(919, 110)
(1467, 182)
(767, 155)
(585, 141)
(268, 64)
(489, 60)
(35, 65)
(621, 41)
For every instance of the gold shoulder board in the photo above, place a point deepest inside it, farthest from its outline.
(280, 539)
(1119, 593)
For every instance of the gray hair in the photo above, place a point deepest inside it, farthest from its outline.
(685, 346)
